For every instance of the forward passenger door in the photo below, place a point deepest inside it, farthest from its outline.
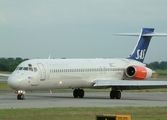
(42, 72)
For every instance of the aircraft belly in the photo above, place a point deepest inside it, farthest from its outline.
(70, 81)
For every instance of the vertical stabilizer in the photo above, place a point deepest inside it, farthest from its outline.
(141, 47)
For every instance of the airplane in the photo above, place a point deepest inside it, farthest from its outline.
(118, 74)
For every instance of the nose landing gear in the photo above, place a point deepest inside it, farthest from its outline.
(20, 94)
(20, 97)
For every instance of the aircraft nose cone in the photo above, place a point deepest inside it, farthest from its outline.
(13, 82)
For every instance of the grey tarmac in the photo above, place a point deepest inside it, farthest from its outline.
(43, 99)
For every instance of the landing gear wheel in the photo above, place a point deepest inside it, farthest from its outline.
(81, 93)
(20, 97)
(112, 94)
(118, 94)
(78, 93)
(75, 93)
(115, 94)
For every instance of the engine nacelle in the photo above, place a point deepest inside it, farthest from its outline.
(138, 72)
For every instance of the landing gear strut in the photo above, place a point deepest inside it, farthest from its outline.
(20, 94)
(115, 94)
(78, 93)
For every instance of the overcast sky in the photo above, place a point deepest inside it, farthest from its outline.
(80, 28)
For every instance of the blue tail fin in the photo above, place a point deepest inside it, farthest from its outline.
(141, 47)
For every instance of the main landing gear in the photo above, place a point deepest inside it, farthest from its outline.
(78, 93)
(115, 94)
(20, 94)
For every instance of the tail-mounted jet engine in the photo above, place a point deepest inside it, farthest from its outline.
(138, 72)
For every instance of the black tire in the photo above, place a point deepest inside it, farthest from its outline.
(75, 93)
(112, 94)
(118, 94)
(81, 93)
(20, 96)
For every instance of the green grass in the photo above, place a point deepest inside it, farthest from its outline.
(83, 113)
(161, 74)
(4, 86)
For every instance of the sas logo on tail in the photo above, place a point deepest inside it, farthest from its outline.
(140, 54)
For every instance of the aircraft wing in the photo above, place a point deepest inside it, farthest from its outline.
(5, 75)
(130, 84)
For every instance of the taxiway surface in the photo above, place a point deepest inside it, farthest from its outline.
(41, 99)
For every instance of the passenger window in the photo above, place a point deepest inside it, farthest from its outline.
(25, 68)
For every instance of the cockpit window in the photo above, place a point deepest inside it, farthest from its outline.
(17, 68)
(30, 68)
(25, 68)
(20, 68)
(35, 69)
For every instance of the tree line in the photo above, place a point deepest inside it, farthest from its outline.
(157, 65)
(9, 64)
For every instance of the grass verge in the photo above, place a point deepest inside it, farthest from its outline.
(4, 86)
(83, 113)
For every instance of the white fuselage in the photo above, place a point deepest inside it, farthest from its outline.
(67, 73)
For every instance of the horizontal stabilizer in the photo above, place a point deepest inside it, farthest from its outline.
(138, 34)
(156, 34)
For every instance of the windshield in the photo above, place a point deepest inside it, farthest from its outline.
(27, 68)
